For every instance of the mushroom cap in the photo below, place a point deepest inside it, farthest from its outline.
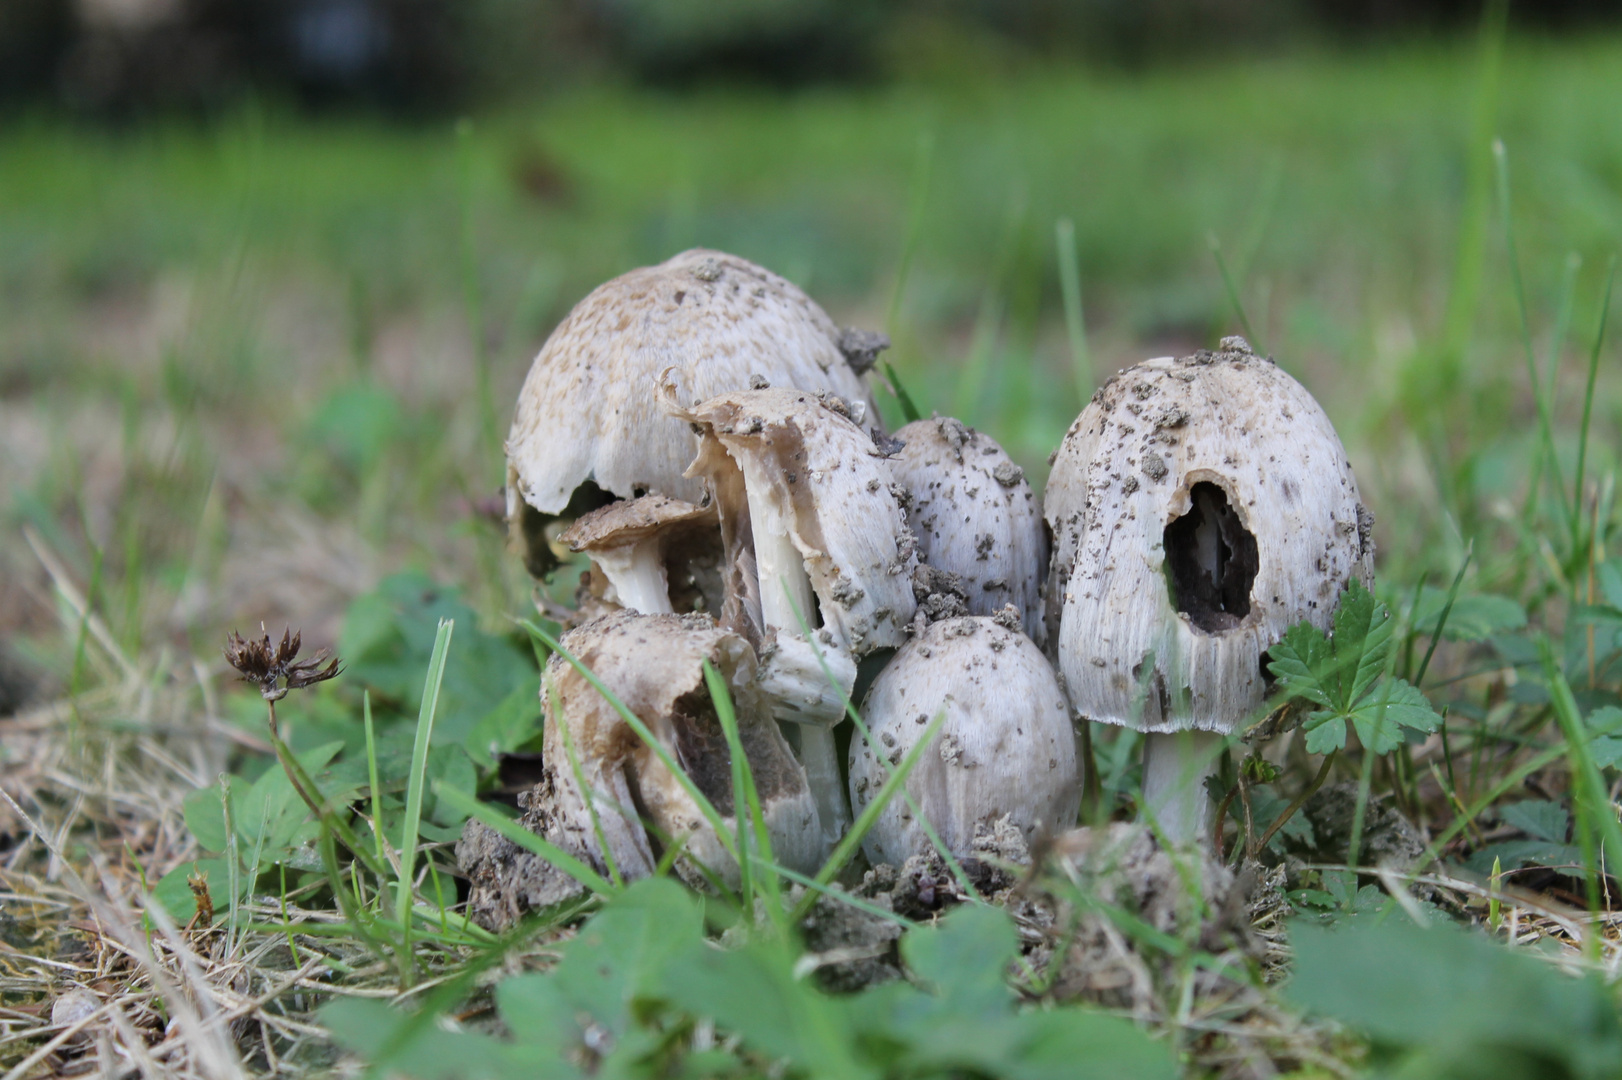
(588, 409)
(1222, 460)
(828, 478)
(630, 520)
(654, 665)
(1006, 746)
(974, 516)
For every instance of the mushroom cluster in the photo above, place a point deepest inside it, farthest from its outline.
(699, 436)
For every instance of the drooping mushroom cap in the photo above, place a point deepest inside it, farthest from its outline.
(589, 411)
(1006, 746)
(1199, 508)
(654, 665)
(974, 516)
(675, 541)
(631, 520)
(827, 480)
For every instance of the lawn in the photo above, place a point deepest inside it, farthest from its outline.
(257, 370)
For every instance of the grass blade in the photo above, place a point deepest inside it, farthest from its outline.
(1233, 295)
(1593, 375)
(419, 769)
(1081, 364)
(1518, 287)
(464, 803)
(377, 789)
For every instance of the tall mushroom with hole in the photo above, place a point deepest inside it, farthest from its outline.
(588, 427)
(974, 516)
(1005, 748)
(1199, 508)
(602, 781)
(815, 540)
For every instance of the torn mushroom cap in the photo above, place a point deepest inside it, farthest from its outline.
(1006, 745)
(823, 478)
(588, 410)
(635, 543)
(654, 665)
(974, 516)
(1199, 508)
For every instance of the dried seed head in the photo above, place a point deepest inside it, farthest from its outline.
(1199, 508)
(1006, 746)
(275, 669)
(974, 516)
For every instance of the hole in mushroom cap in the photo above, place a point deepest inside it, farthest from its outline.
(1211, 561)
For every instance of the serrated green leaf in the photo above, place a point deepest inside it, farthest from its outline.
(1324, 733)
(1606, 720)
(1606, 751)
(1296, 661)
(1538, 818)
(1394, 705)
(1362, 641)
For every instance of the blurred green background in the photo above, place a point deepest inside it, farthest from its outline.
(271, 274)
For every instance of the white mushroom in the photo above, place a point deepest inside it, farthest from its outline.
(654, 665)
(1006, 746)
(974, 516)
(1199, 508)
(588, 426)
(814, 538)
(629, 542)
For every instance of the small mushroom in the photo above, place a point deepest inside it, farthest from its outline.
(629, 541)
(654, 665)
(815, 540)
(1006, 746)
(1199, 508)
(974, 516)
(588, 427)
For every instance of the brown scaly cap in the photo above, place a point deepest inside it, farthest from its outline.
(589, 411)
(631, 520)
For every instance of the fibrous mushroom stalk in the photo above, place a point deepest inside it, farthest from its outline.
(637, 574)
(788, 607)
(1175, 768)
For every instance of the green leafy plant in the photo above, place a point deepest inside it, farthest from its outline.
(1344, 678)
(640, 991)
(1441, 1002)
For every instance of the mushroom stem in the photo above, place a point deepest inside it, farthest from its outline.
(788, 605)
(1175, 767)
(637, 573)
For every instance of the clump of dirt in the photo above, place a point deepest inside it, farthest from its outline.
(1187, 897)
(852, 948)
(505, 880)
(1389, 839)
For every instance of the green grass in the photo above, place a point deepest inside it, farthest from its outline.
(249, 370)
